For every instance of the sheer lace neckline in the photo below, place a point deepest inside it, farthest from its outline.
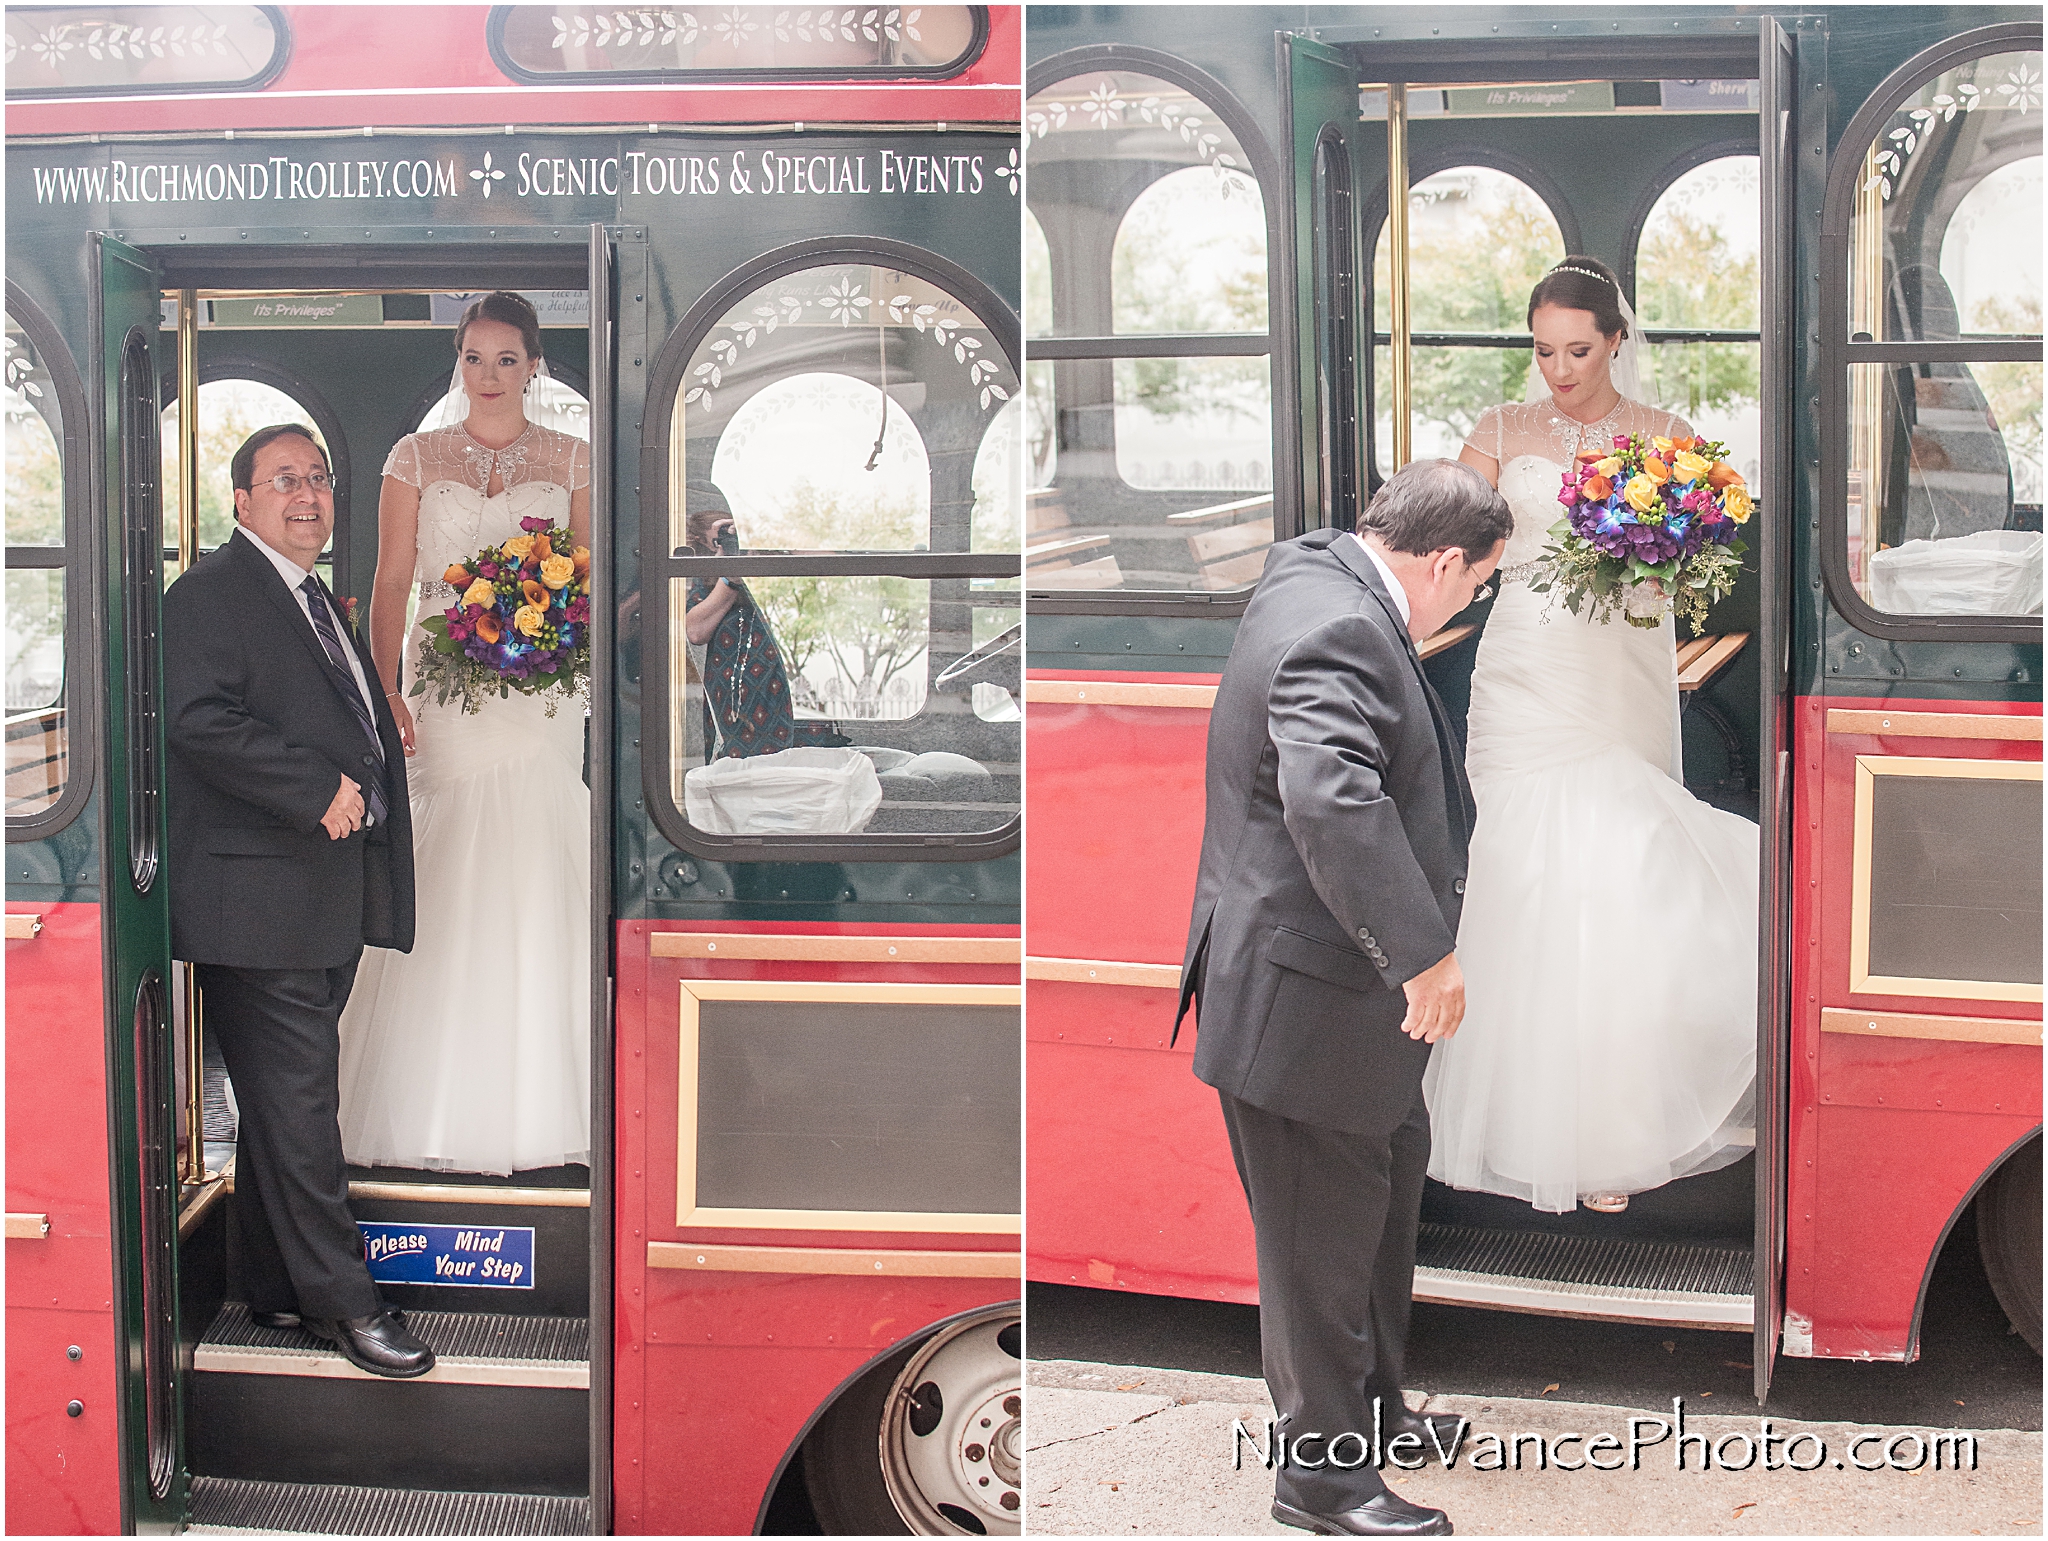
(500, 449)
(1541, 430)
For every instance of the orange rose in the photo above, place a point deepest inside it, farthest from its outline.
(1656, 469)
(542, 548)
(457, 576)
(1595, 489)
(582, 560)
(533, 593)
(1683, 444)
(1588, 456)
(1723, 475)
(488, 628)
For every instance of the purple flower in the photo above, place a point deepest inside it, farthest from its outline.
(533, 526)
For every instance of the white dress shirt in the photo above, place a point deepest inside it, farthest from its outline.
(293, 576)
(1394, 589)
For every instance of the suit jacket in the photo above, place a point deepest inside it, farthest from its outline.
(260, 737)
(1333, 854)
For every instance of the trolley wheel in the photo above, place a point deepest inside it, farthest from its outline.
(2009, 1237)
(931, 1441)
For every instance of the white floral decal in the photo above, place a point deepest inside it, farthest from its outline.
(734, 26)
(20, 382)
(1012, 174)
(2020, 91)
(487, 175)
(104, 40)
(845, 303)
(644, 28)
(1107, 107)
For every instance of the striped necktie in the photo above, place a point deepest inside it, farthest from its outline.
(330, 638)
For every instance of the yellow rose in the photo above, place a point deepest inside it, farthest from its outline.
(557, 570)
(1641, 493)
(519, 547)
(1608, 467)
(527, 620)
(1735, 499)
(1690, 467)
(480, 593)
(1662, 445)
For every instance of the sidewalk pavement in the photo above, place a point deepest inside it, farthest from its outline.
(1128, 1450)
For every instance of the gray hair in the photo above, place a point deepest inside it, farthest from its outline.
(1430, 504)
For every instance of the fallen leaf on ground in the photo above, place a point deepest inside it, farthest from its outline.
(1739, 1508)
(1737, 1364)
(1668, 1347)
(1133, 1386)
(1550, 1388)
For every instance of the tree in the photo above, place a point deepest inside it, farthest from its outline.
(1687, 276)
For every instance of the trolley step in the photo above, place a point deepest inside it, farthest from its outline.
(505, 1408)
(1679, 1283)
(226, 1506)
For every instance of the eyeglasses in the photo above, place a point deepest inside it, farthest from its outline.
(1484, 591)
(289, 484)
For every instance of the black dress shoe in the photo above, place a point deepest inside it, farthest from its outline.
(284, 1321)
(378, 1343)
(1387, 1515)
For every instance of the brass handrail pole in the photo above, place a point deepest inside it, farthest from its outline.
(194, 1170)
(1397, 268)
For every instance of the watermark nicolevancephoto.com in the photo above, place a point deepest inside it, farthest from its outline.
(1728, 1450)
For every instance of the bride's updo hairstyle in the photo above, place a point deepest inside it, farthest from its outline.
(1430, 504)
(507, 309)
(1581, 283)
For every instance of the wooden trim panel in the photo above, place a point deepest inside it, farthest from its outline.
(24, 928)
(834, 1260)
(1117, 693)
(27, 1227)
(1089, 971)
(458, 1193)
(1901, 1024)
(757, 947)
(2018, 730)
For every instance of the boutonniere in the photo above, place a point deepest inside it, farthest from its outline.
(348, 613)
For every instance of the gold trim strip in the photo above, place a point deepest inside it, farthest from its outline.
(457, 1193)
(1089, 971)
(2018, 730)
(200, 1203)
(24, 928)
(1901, 1024)
(1861, 981)
(1117, 693)
(835, 1260)
(688, 1212)
(836, 949)
(27, 1227)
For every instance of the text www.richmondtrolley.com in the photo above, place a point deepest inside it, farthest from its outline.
(1648, 1438)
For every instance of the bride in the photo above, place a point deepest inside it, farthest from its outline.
(1609, 931)
(471, 1053)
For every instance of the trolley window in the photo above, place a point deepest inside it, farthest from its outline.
(1478, 241)
(1151, 401)
(543, 43)
(38, 725)
(840, 595)
(229, 411)
(1934, 332)
(132, 50)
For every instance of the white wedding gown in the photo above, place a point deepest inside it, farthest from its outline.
(1609, 932)
(471, 1053)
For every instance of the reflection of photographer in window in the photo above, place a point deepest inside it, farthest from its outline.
(747, 697)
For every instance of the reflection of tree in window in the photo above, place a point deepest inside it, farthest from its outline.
(1996, 282)
(1037, 279)
(1696, 266)
(997, 521)
(35, 517)
(793, 464)
(1478, 240)
(229, 411)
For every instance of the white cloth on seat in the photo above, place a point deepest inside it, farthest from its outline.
(1609, 933)
(471, 1053)
(802, 791)
(1991, 572)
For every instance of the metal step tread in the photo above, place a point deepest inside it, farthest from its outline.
(1645, 1280)
(474, 1347)
(234, 1506)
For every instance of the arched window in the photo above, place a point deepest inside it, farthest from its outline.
(858, 420)
(1149, 422)
(551, 402)
(1478, 241)
(1934, 342)
(1697, 268)
(229, 411)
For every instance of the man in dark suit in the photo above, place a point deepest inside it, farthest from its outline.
(291, 848)
(1321, 960)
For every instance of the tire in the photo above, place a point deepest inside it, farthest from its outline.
(930, 1441)
(2009, 1239)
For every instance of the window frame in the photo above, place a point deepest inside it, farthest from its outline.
(280, 56)
(77, 558)
(494, 39)
(1838, 353)
(659, 565)
(1264, 169)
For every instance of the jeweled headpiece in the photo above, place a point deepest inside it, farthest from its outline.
(1564, 267)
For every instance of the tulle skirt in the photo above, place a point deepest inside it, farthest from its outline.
(1609, 933)
(471, 1053)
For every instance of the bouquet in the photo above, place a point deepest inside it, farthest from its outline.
(1650, 526)
(520, 621)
